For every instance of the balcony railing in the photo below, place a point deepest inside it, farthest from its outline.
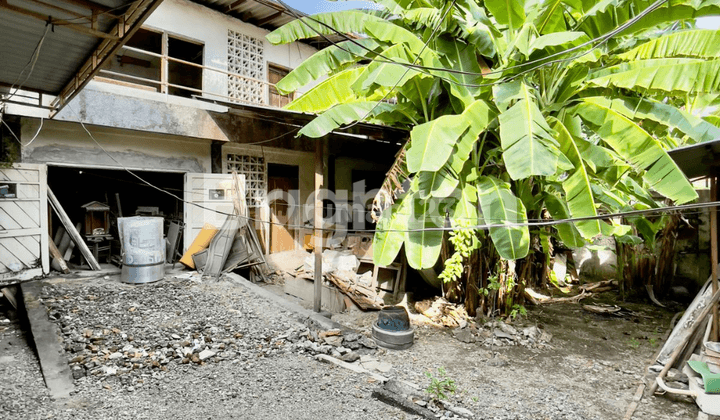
(164, 85)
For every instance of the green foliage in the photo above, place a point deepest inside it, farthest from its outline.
(518, 310)
(518, 130)
(441, 385)
(634, 343)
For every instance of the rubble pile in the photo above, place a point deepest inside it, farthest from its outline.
(128, 333)
(498, 333)
(139, 330)
(348, 347)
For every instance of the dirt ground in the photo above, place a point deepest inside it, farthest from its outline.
(590, 369)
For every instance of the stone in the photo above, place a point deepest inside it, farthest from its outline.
(78, 372)
(497, 362)
(368, 342)
(350, 357)
(464, 335)
(206, 354)
(333, 340)
(115, 356)
(502, 334)
(460, 411)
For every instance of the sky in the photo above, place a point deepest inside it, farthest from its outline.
(320, 6)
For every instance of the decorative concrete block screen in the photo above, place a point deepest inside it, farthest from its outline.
(255, 171)
(245, 58)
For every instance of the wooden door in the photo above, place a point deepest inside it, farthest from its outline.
(275, 75)
(282, 238)
(23, 222)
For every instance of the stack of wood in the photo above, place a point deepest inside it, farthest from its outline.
(692, 329)
(442, 313)
(364, 296)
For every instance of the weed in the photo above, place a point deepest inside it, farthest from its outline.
(518, 310)
(634, 343)
(653, 341)
(440, 386)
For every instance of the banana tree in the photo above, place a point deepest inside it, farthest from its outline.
(517, 110)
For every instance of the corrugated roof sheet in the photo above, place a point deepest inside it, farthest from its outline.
(62, 52)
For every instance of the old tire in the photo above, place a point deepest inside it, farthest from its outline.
(393, 340)
(393, 318)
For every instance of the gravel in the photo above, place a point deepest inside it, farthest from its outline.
(180, 349)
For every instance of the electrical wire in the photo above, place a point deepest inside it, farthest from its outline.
(438, 229)
(430, 38)
(601, 39)
(33, 60)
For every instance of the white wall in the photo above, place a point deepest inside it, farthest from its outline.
(67, 143)
(198, 23)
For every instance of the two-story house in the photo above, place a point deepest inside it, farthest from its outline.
(192, 94)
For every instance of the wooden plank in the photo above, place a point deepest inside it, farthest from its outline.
(48, 343)
(681, 332)
(19, 175)
(714, 254)
(10, 296)
(71, 246)
(31, 243)
(26, 216)
(23, 254)
(7, 222)
(697, 322)
(58, 259)
(11, 261)
(84, 250)
(26, 191)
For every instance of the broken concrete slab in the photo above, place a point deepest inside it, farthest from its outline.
(49, 345)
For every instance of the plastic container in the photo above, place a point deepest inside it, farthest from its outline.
(143, 249)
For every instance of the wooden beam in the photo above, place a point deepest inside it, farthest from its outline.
(57, 258)
(130, 23)
(65, 219)
(267, 19)
(66, 24)
(234, 5)
(714, 252)
(318, 224)
(681, 345)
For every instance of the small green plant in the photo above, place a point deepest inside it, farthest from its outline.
(634, 343)
(441, 386)
(653, 341)
(475, 399)
(518, 310)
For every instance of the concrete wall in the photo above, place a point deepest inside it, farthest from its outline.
(200, 24)
(304, 160)
(67, 143)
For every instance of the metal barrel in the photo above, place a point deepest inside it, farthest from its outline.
(143, 249)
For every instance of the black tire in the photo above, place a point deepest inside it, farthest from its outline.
(394, 340)
(393, 318)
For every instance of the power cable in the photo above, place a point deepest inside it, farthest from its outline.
(438, 229)
(602, 39)
(33, 60)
